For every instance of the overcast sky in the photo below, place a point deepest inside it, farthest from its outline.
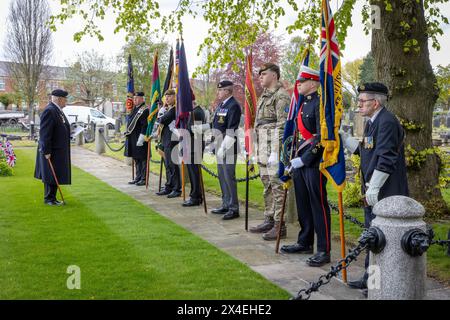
(357, 44)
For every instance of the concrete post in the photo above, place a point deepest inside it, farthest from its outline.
(79, 139)
(393, 274)
(99, 141)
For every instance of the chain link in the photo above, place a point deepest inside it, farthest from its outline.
(107, 144)
(213, 174)
(348, 217)
(364, 240)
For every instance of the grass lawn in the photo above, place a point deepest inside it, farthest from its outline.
(438, 262)
(123, 248)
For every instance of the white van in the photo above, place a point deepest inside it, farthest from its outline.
(86, 114)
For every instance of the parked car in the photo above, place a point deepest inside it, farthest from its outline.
(81, 114)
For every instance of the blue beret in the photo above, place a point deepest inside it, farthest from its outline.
(59, 93)
(373, 87)
(224, 83)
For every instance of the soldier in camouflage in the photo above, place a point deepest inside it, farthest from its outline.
(271, 115)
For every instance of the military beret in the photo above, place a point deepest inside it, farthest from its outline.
(170, 92)
(373, 87)
(270, 66)
(307, 73)
(59, 93)
(224, 84)
(139, 94)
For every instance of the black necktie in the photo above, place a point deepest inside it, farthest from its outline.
(367, 128)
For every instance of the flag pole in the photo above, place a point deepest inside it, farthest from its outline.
(183, 181)
(246, 191)
(202, 186)
(149, 144)
(132, 169)
(160, 173)
(341, 226)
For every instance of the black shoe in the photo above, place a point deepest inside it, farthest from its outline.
(163, 192)
(358, 284)
(192, 203)
(53, 202)
(296, 248)
(230, 215)
(220, 210)
(132, 182)
(174, 194)
(140, 183)
(365, 293)
(319, 259)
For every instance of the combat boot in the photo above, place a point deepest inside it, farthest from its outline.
(263, 227)
(273, 233)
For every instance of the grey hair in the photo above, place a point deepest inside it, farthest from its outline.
(55, 99)
(381, 98)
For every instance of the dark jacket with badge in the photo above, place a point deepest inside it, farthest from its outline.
(166, 134)
(383, 149)
(54, 139)
(196, 116)
(310, 150)
(138, 119)
(228, 117)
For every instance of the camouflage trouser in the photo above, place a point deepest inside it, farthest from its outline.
(273, 193)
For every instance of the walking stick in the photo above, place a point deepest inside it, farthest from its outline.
(283, 208)
(246, 191)
(56, 179)
(132, 169)
(203, 188)
(341, 226)
(149, 144)
(182, 181)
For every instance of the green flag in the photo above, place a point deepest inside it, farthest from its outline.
(155, 98)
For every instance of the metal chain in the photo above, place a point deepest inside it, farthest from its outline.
(107, 144)
(352, 219)
(212, 173)
(364, 240)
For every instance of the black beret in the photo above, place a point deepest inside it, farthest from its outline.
(270, 66)
(170, 92)
(139, 94)
(224, 83)
(373, 87)
(59, 93)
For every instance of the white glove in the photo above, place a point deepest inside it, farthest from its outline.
(273, 160)
(200, 128)
(227, 143)
(349, 142)
(376, 182)
(141, 140)
(296, 163)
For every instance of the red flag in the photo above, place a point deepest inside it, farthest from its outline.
(250, 105)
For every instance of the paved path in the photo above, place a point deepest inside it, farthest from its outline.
(288, 271)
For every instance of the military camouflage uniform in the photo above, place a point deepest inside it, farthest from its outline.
(271, 117)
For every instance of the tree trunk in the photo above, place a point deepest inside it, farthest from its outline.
(407, 71)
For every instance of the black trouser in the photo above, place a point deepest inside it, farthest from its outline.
(368, 217)
(172, 171)
(50, 191)
(141, 167)
(312, 208)
(194, 178)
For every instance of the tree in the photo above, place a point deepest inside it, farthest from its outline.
(265, 49)
(350, 74)
(443, 80)
(91, 79)
(142, 50)
(367, 69)
(28, 46)
(399, 47)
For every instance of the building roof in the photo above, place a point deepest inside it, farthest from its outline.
(50, 72)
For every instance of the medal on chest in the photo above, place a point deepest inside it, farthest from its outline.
(369, 142)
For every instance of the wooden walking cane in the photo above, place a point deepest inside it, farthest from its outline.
(56, 179)
(148, 163)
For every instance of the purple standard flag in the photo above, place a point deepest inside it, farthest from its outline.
(184, 93)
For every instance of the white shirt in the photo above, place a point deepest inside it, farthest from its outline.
(375, 115)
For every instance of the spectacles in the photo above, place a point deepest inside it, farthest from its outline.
(362, 100)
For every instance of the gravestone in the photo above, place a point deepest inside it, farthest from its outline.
(436, 122)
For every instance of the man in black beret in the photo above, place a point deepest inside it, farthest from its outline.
(54, 145)
(225, 122)
(383, 165)
(135, 145)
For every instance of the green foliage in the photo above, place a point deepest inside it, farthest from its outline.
(444, 168)
(5, 169)
(443, 82)
(10, 98)
(367, 69)
(351, 195)
(410, 125)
